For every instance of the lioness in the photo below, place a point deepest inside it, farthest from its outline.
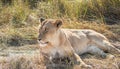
(71, 42)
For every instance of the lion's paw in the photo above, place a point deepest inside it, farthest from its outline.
(87, 66)
(111, 57)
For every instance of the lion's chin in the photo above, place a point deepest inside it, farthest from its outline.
(43, 44)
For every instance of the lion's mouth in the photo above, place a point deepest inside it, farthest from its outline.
(43, 44)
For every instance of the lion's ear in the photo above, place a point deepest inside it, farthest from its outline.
(58, 23)
(41, 19)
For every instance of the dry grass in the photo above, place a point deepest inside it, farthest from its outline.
(22, 62)
(11, 36)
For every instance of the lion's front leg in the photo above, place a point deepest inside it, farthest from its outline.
(77, 60)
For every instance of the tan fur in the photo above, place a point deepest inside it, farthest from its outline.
(72, 42)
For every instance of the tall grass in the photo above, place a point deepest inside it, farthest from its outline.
(84, 9)
(18, 10)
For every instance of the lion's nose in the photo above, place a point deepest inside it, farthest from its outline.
(39, 39)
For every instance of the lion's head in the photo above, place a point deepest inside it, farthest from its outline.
(48, 31)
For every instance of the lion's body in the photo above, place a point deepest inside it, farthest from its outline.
(82, 40)
(64, 42)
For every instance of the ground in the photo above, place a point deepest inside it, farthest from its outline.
(29, 57)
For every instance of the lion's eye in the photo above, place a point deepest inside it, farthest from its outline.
(46, 30)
